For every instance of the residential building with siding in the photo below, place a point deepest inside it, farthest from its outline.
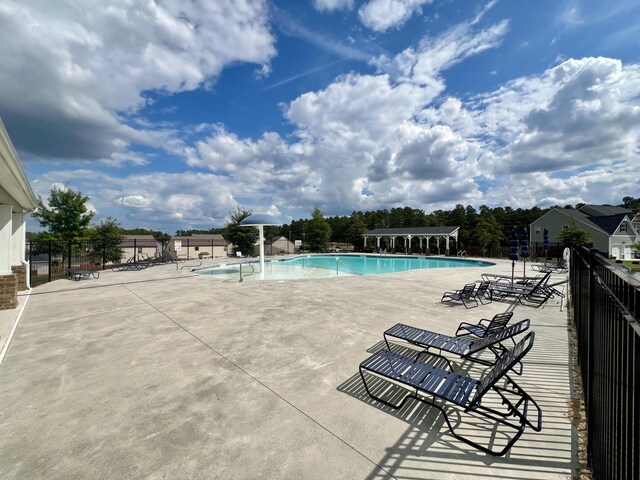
(198, 246)
(142, 246)
(611, 228)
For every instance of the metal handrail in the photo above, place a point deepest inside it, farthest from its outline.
(338, 261)
(253, 271)
(185, 260)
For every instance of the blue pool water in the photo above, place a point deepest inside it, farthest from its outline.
(375, 264)
(322, 266)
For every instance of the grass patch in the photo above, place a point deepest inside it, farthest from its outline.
(632, 264)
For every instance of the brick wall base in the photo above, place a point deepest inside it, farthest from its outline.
(8, 291)
(20, 271)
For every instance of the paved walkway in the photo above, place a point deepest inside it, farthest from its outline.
(163, 374)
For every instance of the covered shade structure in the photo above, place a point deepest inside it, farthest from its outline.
(260, 220)
(421, 233)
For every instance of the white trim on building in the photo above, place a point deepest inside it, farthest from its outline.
(16, 200)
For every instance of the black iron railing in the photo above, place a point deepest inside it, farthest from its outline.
(50, 259)
(606, 303)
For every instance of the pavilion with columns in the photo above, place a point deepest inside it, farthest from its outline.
(410, 235)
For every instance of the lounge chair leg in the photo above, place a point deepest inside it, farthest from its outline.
(388, 404)
(426, 351)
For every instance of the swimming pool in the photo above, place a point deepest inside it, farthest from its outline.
(321, 266)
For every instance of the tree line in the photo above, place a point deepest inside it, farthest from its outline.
(66, 217)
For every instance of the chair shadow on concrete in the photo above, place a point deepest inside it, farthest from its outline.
(427, 446)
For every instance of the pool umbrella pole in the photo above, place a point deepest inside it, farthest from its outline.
(513, 255)
(524, 242)
(260, 220)
(261, 240)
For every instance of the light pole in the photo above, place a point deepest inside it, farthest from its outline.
(303, 235)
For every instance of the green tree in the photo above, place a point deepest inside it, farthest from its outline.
(66, 216)
(488, 232)
(574, 235)
(243, 238)
(318, 231)
(356, 228)
(107, 238)
(631, 203)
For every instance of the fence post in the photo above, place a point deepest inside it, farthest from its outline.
(30, 262)
(591, 316)
(50, 248)
(135, 250)
(69, 255)
(104, 252)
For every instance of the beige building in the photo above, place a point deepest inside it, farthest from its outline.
(16, 201)
(140, 246)
(198, 246)
(278, 246)
(611, 228)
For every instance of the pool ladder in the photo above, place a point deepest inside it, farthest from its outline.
(340, 262)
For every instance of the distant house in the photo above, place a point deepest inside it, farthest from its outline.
(278, 246)
(198, 246)
(141, 246)
(612, 229)
(16, 201)
(636, 222)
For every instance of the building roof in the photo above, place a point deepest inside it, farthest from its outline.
(139, 237)
(14, 185)
(414, 231)
(278, 238)
(139, 241)
(201, 239)
(604, 210)
(609, 223)
(605, 223)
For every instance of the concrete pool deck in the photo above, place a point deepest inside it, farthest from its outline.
(160, 373)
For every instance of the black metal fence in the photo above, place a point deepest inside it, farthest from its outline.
(50, 259)
(606, 303)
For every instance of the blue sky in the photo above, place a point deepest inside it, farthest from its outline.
(168, 115)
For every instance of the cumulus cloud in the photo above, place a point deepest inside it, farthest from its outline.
(357, 105)
(579, 113)
(161, 200)
(433, 154)
(371, 141)
(84, 68)
(381, 15)
(331, 5)
(364, 141)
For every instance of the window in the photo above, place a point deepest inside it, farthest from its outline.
(565, 227)
(536, 230)
(197, 248)
(623, 227)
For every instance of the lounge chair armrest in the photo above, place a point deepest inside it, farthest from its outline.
(462, 327)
